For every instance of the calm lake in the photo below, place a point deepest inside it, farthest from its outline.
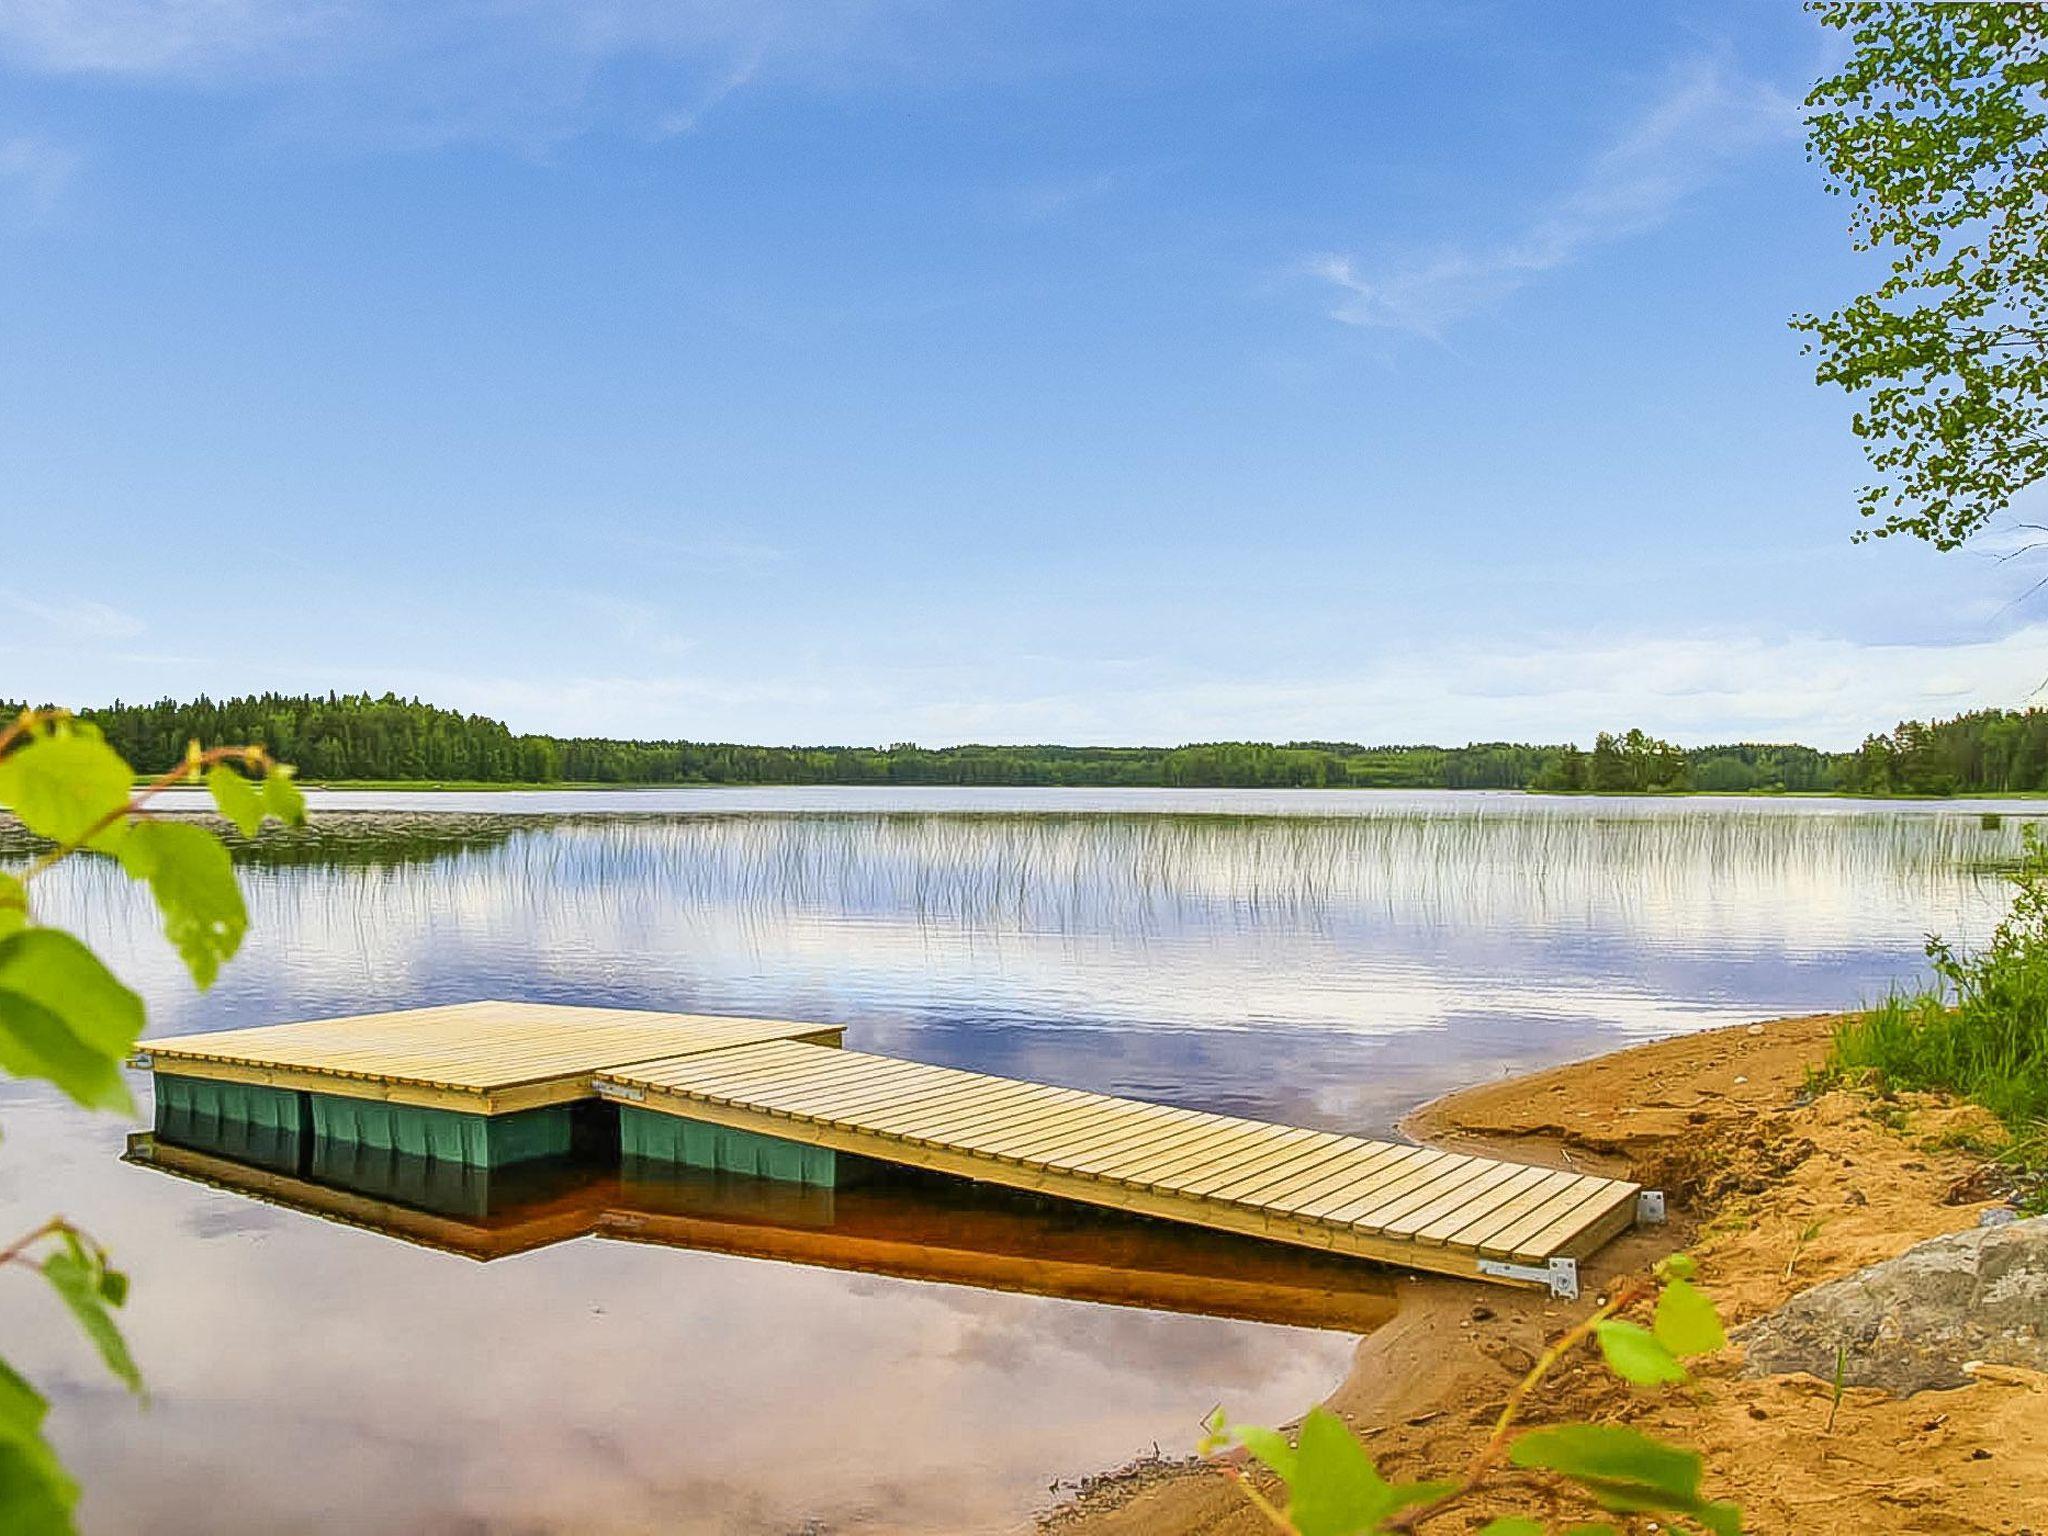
(1329, 959)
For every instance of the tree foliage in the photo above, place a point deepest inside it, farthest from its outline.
(1936, 129)
(1988, 751)
(67, 1019)
(389, 739)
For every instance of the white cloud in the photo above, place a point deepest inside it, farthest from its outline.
(36, 172)
(1041, 202)
(1696, 687)
(393, 73)
(74, 619)
(155, 37)
(1708, 117)
(643, 630)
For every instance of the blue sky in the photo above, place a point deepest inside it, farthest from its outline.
(924, 371)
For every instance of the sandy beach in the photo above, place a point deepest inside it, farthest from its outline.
(1774, 1189)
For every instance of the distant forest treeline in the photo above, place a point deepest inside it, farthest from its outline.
(357, 736)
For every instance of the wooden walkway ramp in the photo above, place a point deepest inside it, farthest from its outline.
(1406, 1205)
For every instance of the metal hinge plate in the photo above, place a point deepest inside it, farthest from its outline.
(1559, 1276)
(618, 1091)
(142, 1061)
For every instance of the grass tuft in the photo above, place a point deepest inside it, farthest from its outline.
(1980, 1031)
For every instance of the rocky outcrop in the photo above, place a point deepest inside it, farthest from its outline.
(1915, 1321)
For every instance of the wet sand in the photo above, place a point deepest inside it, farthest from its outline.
(1773, 1190)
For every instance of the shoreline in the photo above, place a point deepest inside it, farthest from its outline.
(1773, 1190)
(545, 786)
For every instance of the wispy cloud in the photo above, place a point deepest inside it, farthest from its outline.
(158, 37)
(70, 619)
(1708, 117)
(641, 631)
(723, 83)
(398, 74)
(1040, 202)
(1694, 687)
(34, 173)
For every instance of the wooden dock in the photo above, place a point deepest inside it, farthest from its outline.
(1417, 1207)
(479, 1058)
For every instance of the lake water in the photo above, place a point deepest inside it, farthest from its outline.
(1330, 959)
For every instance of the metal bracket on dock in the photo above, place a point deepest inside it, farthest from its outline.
(1649, 1207)
(141, 1061)
(1559, 1276)
(618, 1091)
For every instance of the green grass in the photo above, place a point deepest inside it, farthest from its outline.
(1981, 1031)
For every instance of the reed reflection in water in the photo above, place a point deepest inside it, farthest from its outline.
(1328, 968)
(1325, 959)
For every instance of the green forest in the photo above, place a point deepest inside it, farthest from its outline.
(343, 737)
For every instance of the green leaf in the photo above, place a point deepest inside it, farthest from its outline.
(193, 880)
(282, 796)
(13, 905)
(1686, 1322)
(21, 1405)
(1271, 1447)
(1611, 1453)
(1626, 1471)
(64, 783)
(236, 798)
(75, 1276)
(1594, 1528)
(65, 1018)
(1512, 1525)
(1634, 1354)
(1336, 1490)
(35, 1493)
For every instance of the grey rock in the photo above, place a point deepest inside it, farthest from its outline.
(1911, 1323)
(1997, 1216)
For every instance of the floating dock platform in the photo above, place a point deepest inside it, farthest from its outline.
(492, 1084)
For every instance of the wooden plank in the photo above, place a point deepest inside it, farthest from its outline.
(1486, 1188)
(1380, 1180)
(1200, 1148)
(983, 1122)
(1513, 1240)
(1448, 1223)
(1465, 1186)
(1368, 1200)
(1065, 1123)
(1484, 1224)
(1368, 1158)
(1114, 1145)
(1318, 1153)
(1205, 1157)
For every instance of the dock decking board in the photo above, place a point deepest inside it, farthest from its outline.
(485, 1058)
(1415, 1206)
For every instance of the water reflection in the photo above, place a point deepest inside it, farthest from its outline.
(312, 1376)
(885, 1221)
(1326, 959)
(1332, 968)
